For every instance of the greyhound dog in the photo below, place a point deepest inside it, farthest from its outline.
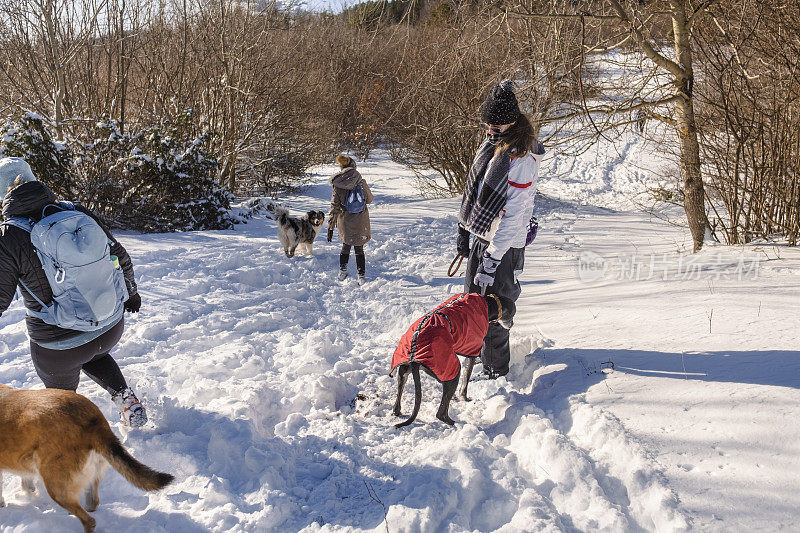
(433, 342)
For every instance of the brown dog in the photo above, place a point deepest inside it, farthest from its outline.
(64, 438)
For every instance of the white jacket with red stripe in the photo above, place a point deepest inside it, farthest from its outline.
(510, 229)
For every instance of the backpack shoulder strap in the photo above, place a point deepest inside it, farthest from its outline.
(19, 222)
(27, 225)
(34, 313)
(58, 206)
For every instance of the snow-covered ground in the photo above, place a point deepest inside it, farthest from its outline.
(267, 380)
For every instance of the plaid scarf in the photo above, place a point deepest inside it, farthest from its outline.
(486, 190)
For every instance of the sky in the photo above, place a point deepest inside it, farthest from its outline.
(335, 6)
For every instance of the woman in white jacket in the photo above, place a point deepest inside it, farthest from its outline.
(496, 208)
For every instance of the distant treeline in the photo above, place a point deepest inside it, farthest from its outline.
(274, 90)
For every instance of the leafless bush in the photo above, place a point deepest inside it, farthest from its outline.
(280, 90)
(432, 119)
(751, 134)
(240, 67)
(446, 70)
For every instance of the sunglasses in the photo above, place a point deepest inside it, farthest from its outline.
(491, 129)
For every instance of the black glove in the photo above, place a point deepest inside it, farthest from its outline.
(133, 303)
(462, 242)
(330, 234)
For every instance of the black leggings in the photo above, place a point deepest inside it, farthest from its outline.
(361, 261)
(61, 369)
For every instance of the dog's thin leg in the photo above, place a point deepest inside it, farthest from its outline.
(417, 397)
(448, 390)
(63, 495)
(2, 501)
(28, 485)
(469, 362)
(92, 496)
(402, 377)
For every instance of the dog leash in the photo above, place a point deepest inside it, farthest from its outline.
(497, 301)
(453, 271)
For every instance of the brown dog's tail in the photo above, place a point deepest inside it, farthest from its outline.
(142, 476)
(417, 395)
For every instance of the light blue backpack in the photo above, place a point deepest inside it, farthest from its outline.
(88, 286)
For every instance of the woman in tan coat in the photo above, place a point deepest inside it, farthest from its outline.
(349, 212)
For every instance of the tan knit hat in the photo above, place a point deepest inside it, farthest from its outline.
(343, 160)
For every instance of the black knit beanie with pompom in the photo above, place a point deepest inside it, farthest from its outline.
(501, 106)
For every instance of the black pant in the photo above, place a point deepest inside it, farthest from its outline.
(61, 369)
(361, 261)
(496, 351)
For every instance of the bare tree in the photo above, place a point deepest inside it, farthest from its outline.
(608, 25)
(49, 35)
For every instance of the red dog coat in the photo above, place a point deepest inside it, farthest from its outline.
(457, 326)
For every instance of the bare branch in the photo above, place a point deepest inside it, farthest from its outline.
(644, 43)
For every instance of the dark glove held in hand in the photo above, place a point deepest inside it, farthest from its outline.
(133, 303)
(330, 234)
(462, 242)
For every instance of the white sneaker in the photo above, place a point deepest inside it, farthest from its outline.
(361, 279)
(131, 411)
(342, 275)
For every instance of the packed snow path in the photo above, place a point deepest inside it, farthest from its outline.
(266, 382)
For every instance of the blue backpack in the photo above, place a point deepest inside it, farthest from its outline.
(88, 286)
(354, 202)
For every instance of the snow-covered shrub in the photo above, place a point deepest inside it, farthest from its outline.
(100, 151)
(170, 180)
(161, 178)
(242, 212)
(51, 161)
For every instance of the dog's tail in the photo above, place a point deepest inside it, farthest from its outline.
(281, 214)
(142, 476)
(417, 396)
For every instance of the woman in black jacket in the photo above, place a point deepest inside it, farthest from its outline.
(59, 354)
